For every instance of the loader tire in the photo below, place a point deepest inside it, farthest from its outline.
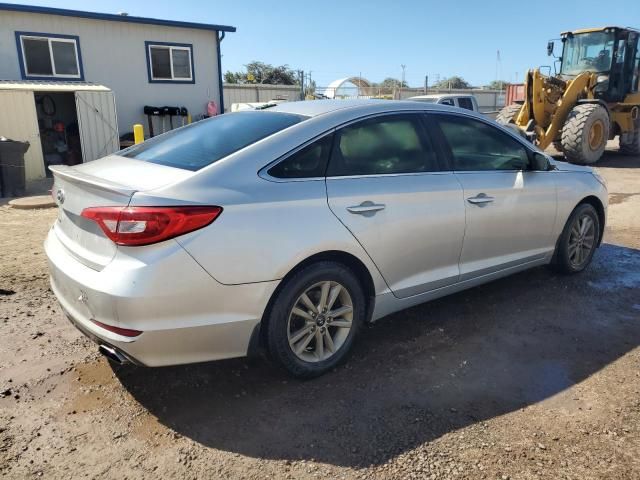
(558, 146)
(631, 144)
(585, 133)
(508, 114)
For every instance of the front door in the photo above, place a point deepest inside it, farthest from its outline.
(385, 185)
(510, 209)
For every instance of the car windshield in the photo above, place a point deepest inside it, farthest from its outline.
(207, 141)
(587, 52)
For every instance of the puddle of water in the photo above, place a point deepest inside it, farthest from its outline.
(617, 267)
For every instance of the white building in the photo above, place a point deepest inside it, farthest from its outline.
(142, 61)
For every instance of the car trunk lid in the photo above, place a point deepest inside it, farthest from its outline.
(108, 182)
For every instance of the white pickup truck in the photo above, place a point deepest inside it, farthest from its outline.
(455, 100)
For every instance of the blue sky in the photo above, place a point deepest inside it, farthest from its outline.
(339, 38)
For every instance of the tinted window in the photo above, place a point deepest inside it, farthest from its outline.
(311, 161)
(464, 102)
(447, 101)
(383, 145)
(205, 142)
(476, 145)
(38, 59)
(161, 63)
(64, 56)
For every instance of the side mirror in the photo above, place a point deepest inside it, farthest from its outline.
(550, 46)
(540, 163)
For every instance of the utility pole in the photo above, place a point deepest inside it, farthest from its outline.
(426, 84)
(301, 77)
(402, 82)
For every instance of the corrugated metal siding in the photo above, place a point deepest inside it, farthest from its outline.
(19, 121)
(98, 124)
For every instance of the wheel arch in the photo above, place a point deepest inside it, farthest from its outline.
(347, 259)
(599, 207)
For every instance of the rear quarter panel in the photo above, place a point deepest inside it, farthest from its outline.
(266, 229)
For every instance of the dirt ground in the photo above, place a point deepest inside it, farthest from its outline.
(533, 376)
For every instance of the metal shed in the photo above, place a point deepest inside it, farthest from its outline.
(89, 109)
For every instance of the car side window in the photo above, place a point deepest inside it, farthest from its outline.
(475, 145)
(308, 162)
(464, 102)
(447, 101)
(382, 145)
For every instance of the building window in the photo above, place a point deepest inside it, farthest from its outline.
(49, 56)
(170, 62)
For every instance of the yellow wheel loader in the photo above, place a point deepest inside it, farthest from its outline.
(593, 98)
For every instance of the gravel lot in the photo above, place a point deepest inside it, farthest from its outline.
(533, 376)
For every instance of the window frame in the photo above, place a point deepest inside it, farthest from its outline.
(22, 59)
(426, 138)
(170, 46)
(442, 144)
(264, 171)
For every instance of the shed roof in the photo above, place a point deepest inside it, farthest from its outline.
(52, 86)
(113, 17)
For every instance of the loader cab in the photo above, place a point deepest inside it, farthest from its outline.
(612, 53)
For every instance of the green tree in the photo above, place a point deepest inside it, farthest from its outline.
(453, 82)
(391, 82)
(498, 84)
(264, 73)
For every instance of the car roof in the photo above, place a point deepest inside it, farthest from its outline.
(443, 95)
(314, 108)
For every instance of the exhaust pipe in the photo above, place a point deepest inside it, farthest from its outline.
(113, 354)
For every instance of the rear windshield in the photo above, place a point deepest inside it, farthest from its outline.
(207, 141)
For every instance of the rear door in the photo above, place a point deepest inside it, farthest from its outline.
(98, 124)
(510, 209)
(385, 185)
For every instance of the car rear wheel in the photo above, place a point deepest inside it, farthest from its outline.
(578, 241)
(315, 318)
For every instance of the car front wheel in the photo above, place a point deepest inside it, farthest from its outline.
(315, 318)
(578, 241)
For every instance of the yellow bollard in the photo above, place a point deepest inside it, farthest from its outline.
(188, 118)
(138, 133)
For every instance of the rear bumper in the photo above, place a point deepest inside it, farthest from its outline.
(185, 315)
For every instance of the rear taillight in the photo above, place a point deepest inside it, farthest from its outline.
(146, 225)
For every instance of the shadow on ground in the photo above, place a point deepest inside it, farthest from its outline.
(414, 376)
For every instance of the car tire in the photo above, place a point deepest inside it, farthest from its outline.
(571, 255)
(287, 331)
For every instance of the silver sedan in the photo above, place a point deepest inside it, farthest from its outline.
(288, 229)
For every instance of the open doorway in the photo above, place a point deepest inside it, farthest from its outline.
(58, 126)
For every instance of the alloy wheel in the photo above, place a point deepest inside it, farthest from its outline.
(581, 240)
(320, 321)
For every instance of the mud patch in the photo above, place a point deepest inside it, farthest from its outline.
(615, 198)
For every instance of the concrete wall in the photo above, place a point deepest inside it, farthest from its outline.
(234, 93)
(113, 54)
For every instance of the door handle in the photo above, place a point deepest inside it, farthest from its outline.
(366, 208)
(480, 200)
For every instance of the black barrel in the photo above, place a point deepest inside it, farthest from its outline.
(12, 171)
